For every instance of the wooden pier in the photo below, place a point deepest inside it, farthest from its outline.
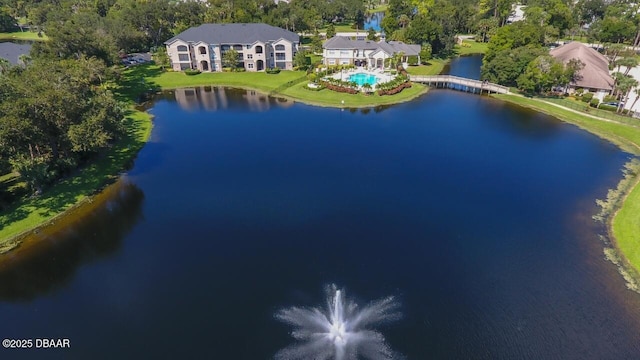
(460, 83)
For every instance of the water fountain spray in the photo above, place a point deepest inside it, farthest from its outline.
(341, 332)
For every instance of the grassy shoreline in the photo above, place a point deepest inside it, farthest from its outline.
(30, 214)
(621, 210)
(23, 36)
(34, 213)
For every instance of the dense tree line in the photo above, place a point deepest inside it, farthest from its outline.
(518, 53)
(55, 114)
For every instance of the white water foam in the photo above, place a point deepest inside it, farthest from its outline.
(341, 332)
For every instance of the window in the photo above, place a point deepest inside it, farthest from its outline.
(332, 61)
(258, 49)
(344, 62)
(250, 66)
(249, 56)
(248, 46)
(202, 50)
(331, 52)
(280, 56)
(225, 47)
(183, 57)
(182, 48)
(279, 47)
(344, 52)
(237, 47)
(185, 66)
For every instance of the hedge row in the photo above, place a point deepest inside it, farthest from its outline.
(338, 88)
(395, 90)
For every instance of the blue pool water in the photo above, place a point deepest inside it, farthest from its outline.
(363, 78)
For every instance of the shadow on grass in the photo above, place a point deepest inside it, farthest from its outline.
(86, 181)
(135, 84)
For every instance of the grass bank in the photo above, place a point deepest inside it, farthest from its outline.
(146, 76)
(378, 8)
(23, 35)
(471, 47)
(621, 209)
(433, 67)
(31, 213)
(331, 98)
(289, 84)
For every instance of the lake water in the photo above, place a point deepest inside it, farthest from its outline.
(473, 213)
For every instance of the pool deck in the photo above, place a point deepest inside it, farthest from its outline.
(378, 73)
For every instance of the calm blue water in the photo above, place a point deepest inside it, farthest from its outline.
(362, 78)
(474, 213)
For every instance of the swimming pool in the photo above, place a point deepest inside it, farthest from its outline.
(363, 78)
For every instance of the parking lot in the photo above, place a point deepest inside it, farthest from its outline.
(136, 58)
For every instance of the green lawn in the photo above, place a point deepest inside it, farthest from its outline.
(342, 27)
(469, 47)
(379, 8)
(327, 97)
(23, 35)
(626, 228)
(584, 107)
(626, 222)
(155, 78)
(434, 68)
(276, 84)
(32, 212)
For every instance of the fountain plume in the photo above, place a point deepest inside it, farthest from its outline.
(341, 332)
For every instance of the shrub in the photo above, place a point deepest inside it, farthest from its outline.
(191, 72)
(609, 98)
(594, 102)
(608, 107)
(338, 87)
(586, 97)
(394, 90)
(272, 71)
(239, 69)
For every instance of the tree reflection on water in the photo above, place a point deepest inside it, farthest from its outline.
(50, 258)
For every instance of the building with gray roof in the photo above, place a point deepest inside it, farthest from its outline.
(341, 50)
(259, 46)
(594, 76)
(12, 51)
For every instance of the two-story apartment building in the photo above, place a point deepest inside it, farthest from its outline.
(341, 50)
(259, 46)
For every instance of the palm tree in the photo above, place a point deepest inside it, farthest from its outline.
(623, 85)
(403, 21)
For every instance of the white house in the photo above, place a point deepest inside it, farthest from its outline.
(341, 50)
(259, 46)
